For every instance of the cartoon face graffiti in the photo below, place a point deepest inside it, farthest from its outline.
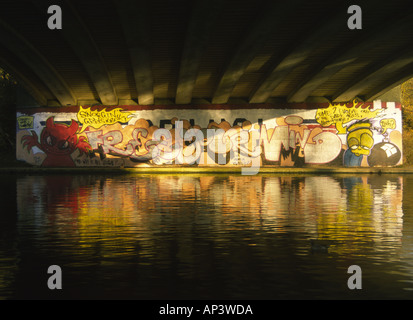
(58, 141)
(360, 138)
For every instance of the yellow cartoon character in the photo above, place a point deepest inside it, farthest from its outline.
(360, 141)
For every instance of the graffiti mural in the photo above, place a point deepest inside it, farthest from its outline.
(353, 134)
(58, 142)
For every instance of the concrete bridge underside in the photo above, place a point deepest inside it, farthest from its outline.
(118, 52)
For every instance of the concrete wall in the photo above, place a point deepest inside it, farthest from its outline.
(353, 134)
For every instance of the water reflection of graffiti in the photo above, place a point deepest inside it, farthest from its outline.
(149, 227)
(117, 137)
(331, 207)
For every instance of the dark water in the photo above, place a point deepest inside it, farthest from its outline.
(206, 236)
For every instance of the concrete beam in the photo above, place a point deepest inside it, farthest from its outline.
(25, 51)
(203, 17)
(252, 42)
(382, 33)
(400, 77)
(297, 55)
(396, 62)
(133, 18)
(78, 37)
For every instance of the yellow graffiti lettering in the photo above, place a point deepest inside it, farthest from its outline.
(340, 114)
(25, 122)
(96, 119)
(388, 124)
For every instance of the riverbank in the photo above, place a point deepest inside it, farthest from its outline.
(202, 170)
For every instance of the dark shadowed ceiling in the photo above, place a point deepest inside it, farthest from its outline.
(116, 52)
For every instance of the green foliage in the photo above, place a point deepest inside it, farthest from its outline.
(407, 102)
(7, 111)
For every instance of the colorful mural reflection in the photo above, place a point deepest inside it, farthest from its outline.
(320, 207)
(351, 135)
(158, 235)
